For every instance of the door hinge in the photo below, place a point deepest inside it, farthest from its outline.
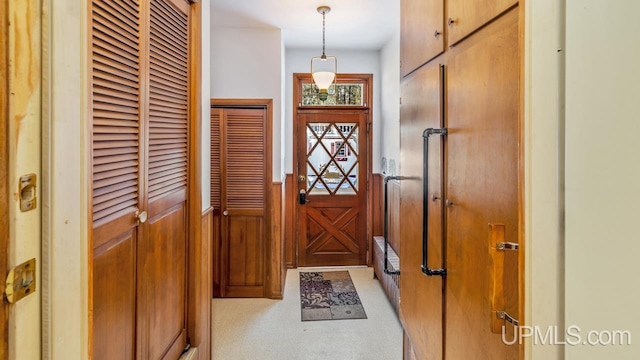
(21, 281)
(400, 100)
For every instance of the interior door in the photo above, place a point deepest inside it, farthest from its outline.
(332, 188)
(164, 248)
(245, 174)
(482, 194)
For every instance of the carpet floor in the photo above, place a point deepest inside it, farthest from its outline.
(249, 329)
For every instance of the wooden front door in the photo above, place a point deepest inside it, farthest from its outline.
(140, 134)
(332, 188)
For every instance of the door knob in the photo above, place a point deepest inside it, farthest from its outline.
(301, 178)
(141, 216)
(225, 213)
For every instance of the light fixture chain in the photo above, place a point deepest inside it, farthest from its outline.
(323, 35)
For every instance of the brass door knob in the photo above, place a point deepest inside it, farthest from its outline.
(141, 216)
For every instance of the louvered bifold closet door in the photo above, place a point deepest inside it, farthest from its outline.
(168, 130)
(244, 199)
(116, 175)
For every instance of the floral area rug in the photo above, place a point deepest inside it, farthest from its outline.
(329, 295)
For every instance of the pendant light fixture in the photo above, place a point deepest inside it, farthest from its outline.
(324, 68)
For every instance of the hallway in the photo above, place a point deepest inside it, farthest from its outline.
(271, 329)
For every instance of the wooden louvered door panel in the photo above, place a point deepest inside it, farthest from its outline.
(244, 197)
(116, 147)
(140, 107)
(164, 249)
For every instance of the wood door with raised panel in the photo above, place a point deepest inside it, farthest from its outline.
(466, 16)
(332, 169)
(140, 96)
(482, 193)
(164, 248)
(421, 34)
(421, 308)
(245, 173)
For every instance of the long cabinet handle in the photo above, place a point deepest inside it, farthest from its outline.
(425, 203)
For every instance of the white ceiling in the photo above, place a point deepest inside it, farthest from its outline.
(351, 24)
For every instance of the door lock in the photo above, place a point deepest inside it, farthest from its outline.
(301, 178)
(302, 197)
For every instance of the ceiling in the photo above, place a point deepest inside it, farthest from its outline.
(351, 24)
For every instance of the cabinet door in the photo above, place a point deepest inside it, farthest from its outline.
(421, 34)
(482, 189)
(244, 201)
(466, 16)
(421, 303)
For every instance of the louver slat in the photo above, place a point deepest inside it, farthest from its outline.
(216, 186)
(245, 144)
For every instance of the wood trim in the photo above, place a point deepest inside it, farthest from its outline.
(289, 221)
(199, 250)
(4, 175)
(521, 174)
(276, 264)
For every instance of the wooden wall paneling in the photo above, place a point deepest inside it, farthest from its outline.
(421, 32)
(4, 174)
(290, 221)
(483, 123)
(276, 261)
(217, 255)
(202, 331)
(467, 16)
(377, 204)
(394, 215)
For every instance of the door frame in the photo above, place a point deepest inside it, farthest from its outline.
(298, 79)
(271, 259)
(4, 175)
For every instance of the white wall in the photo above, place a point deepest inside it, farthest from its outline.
(390, 103)
(603, 173)
(361, 62)
(247, 63)
(544, 196)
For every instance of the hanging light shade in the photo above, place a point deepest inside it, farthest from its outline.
(324, 68)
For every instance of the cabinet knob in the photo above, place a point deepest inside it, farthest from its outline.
(450, 22)
(449, 203)
(141, 216)
(436, 34)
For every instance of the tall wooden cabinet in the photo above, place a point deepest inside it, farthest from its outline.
(469, 93)
(141, 123)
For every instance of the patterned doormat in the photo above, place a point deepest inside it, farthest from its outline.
(329, 295)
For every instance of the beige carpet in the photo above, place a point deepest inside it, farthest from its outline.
(249, 329)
